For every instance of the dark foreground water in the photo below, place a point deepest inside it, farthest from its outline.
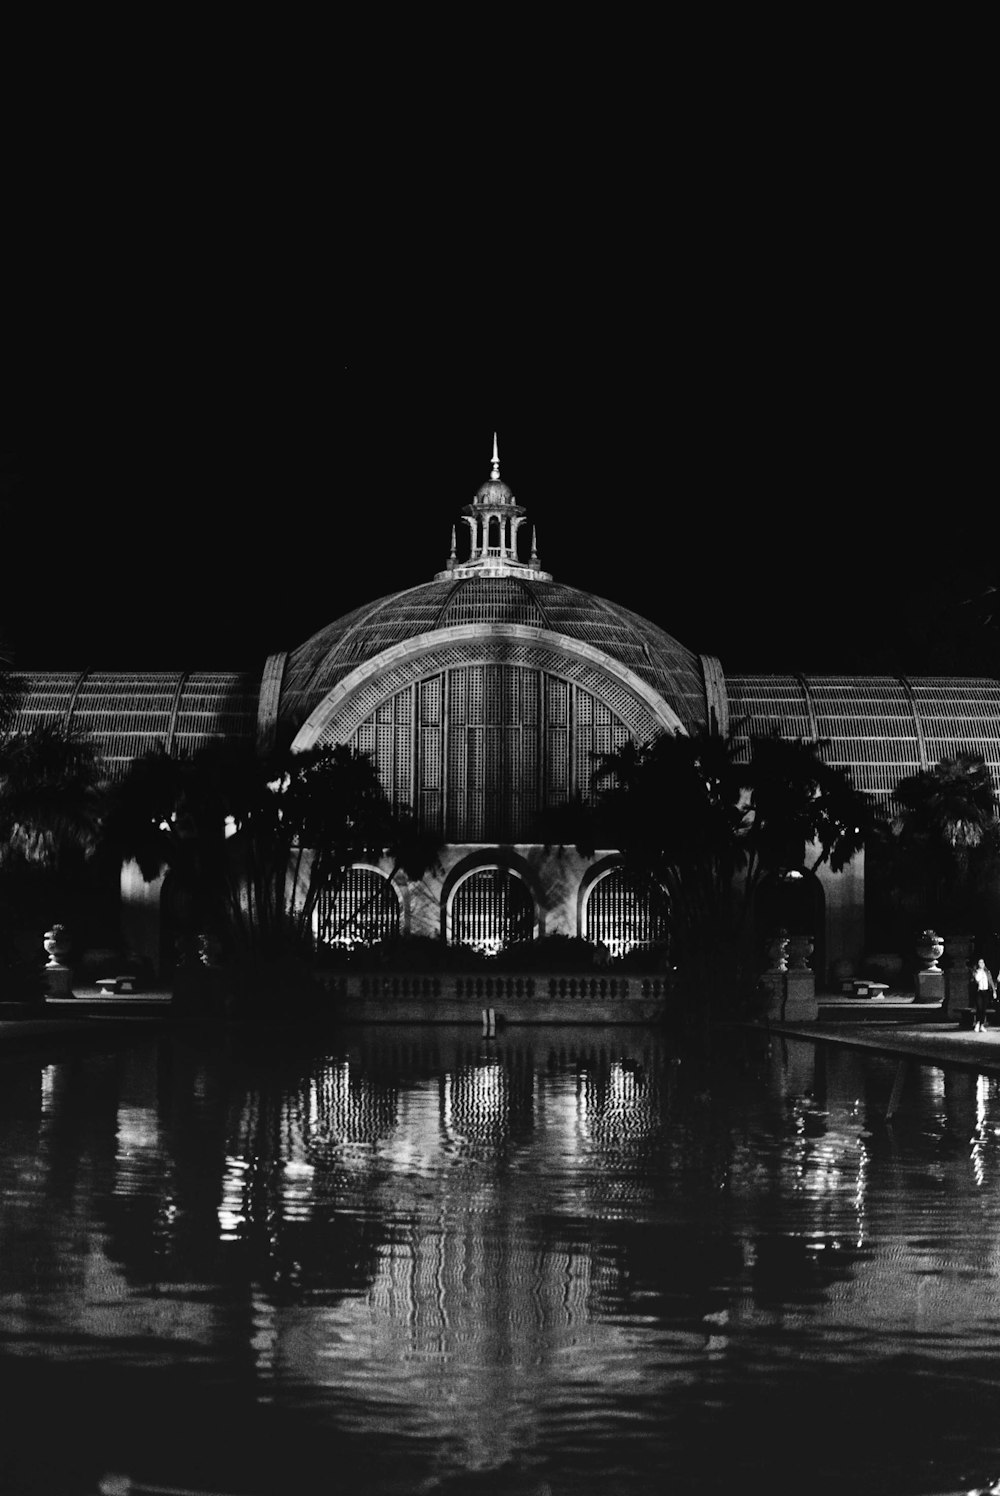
(558, 1261)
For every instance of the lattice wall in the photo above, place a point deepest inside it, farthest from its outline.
(490, 746)
(127, 714)
(625, 704)
(880, 728)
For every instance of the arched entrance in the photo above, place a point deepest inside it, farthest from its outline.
(625, 912)
(492, 908)
(361, 908)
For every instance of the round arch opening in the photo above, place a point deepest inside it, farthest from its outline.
(492, 908)
(625, 912)
(361, 908)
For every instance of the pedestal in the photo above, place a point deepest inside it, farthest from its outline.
(774, 984)
(58, 980)
(791, 996)
(800, 997)
(958, 970)
(930, 987)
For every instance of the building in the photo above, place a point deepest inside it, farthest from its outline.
(482, 695)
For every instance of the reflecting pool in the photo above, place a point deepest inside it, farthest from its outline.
(557, 1261)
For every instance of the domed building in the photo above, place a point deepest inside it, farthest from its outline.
(482, 696)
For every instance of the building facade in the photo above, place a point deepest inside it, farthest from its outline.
(482, 696)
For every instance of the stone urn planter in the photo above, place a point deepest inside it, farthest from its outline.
(777, 952)
(57, 946)
(930, 949)
(930, 977)
(800, 949)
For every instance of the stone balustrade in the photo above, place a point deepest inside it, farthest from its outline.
(517, 996)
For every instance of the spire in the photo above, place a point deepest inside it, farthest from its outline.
(495, 467)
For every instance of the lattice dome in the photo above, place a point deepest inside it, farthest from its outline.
(651, 654)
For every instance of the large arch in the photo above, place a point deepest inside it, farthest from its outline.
(481, 731)
(352, 699)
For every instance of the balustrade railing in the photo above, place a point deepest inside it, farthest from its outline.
(489, 988)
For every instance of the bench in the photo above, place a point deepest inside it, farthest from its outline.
(859, 987)
(118, 985)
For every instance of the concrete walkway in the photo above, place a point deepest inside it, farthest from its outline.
(89, 1013)
(938, 1043)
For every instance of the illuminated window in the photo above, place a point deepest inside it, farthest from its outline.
(492, 908)
(624, 911)
(361, 909)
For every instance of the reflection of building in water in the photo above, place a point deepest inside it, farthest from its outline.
(487, 1103)
(619, 1105)
(863, 1212)
(436, 1247)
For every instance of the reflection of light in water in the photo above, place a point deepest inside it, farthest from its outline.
(617, 1106)
(476, 1101)
(48, 1087)
(136, 1147)
(346, 1106)
(861, 1191)
(231, 1208)
(296, 1189)
(981, 1133)
(933, 1087)
(137, 1128)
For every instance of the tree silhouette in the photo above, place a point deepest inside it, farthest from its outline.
(708, 817)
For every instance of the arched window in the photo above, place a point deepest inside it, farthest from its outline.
(360, 909)
(624, 911)
(492, 908)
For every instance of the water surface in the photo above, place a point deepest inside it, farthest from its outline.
(559, 1261)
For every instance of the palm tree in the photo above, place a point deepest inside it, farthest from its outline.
(51, 796)
(942, 852)
(254, 842)
(708, 817)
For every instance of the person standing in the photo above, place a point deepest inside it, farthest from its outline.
(983, 985)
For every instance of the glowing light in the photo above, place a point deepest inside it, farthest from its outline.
(231, 1211)
(48, 1087)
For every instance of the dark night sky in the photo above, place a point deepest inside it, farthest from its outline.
(251, 393)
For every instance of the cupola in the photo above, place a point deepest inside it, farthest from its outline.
(494, 519)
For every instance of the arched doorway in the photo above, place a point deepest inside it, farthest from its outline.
(492, 908)
(625, 911)
(361, 908)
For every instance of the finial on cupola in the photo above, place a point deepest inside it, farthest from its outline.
(495, 466)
